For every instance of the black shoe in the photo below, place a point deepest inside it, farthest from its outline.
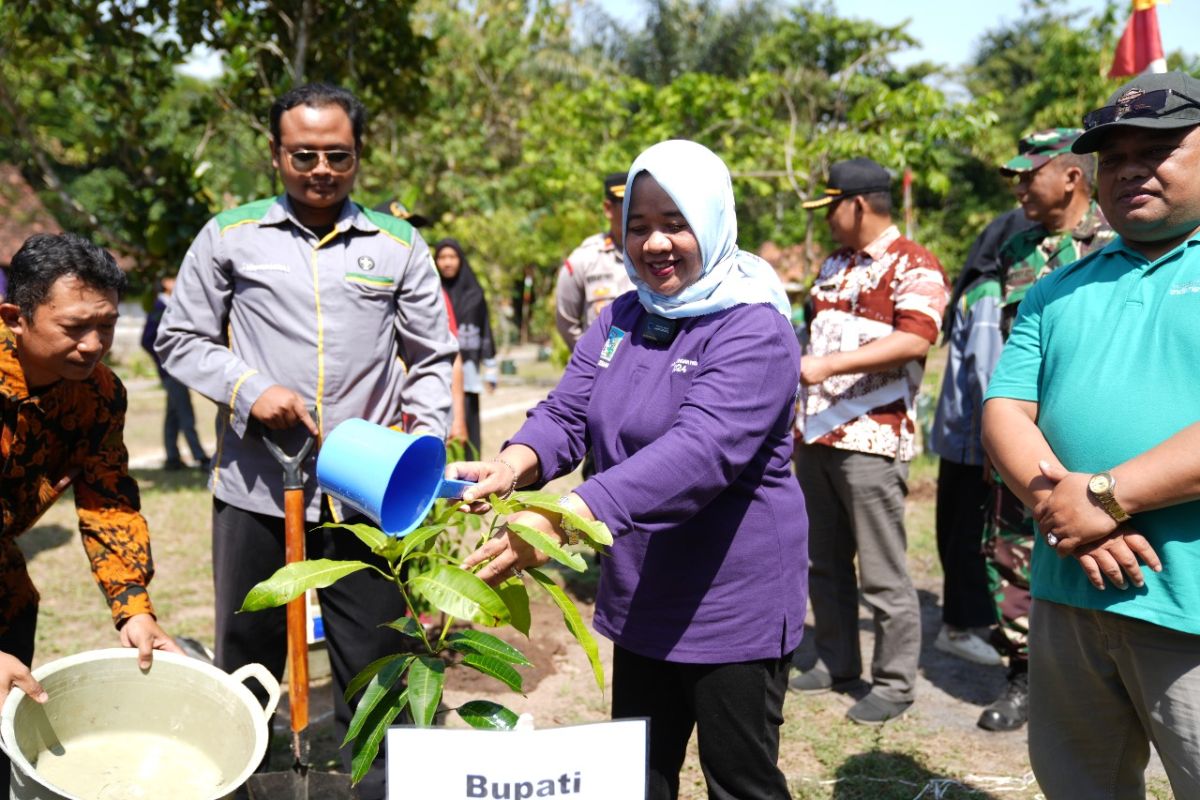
(204, 465)
(1010, 710)
(818, 681)
(875, 710)
(172, 465)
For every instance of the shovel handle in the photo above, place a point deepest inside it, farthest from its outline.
(293, 477)
(297, 613)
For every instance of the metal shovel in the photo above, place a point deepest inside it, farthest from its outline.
(300, 782)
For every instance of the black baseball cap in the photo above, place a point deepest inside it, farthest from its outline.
(397, 209)
(848, 178)
(1159, 101)
(614, 186)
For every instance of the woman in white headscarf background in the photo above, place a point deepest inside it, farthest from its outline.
(685, 393)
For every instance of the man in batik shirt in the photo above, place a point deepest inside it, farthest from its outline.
(62, 421)
(877, 307)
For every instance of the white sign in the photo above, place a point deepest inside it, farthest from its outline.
(601, 761)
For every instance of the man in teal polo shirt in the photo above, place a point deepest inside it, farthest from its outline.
(1092, 419)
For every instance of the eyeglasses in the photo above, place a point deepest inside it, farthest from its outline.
(1147, 104)
(307, 160)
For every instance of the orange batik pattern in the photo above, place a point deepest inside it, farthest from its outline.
(71, 430)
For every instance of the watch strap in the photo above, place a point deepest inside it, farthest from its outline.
(1112, 507)
(1107, 499)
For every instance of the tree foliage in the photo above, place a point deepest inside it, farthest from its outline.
(498, 118)
(95, 113)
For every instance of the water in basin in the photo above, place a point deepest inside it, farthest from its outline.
(130, 765)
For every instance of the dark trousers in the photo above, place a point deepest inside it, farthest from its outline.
(856, 518)
(180, 419)
(961, 493)
(248, 548)
(474, 426)
(736, 709)
(17, 642)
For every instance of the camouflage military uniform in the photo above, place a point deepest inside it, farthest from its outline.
(1009, 527)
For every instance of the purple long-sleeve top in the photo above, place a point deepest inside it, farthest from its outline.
(692, 444)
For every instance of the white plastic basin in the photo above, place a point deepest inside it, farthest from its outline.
(183, 730)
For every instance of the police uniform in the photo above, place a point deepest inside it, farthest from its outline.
(592, 277)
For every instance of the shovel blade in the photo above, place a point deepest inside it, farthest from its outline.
(297, 785)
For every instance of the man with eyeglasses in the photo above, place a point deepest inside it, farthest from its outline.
(297, 302)
(1091, 418)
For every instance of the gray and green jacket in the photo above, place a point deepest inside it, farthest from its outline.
(355, 323)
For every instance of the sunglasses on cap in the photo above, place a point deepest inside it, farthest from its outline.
(307, 160)
(1148, 104)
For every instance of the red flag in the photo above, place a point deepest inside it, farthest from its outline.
(1140, 47)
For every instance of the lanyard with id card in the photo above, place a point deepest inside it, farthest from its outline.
(849, 340)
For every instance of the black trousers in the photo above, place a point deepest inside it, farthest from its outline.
(474, 427)
(961, 493)
(17, 642)
(736, 708)
(248, 548)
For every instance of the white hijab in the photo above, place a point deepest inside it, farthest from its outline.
(699, 183)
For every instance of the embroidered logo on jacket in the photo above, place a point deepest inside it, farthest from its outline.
(1190, 287)
(682, 364)
(366, 262)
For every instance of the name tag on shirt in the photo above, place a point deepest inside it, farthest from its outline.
(849, 337)
(615, 337)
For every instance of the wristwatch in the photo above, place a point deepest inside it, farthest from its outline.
(1101, 487)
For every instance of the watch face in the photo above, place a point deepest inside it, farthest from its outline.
(1099, 484)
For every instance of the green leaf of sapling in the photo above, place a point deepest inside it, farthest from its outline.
(382, 686)
(486, 715)
(366, 747)
(459, 593)
(573, 621)
(425, 681)
(371, 536)
(549, 545)
(495, 668)
(516, 599)
(291, 581)
(472, 641)
(406, 625)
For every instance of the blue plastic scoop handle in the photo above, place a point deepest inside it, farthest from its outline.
(453, 488)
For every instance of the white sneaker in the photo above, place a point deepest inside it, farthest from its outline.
(968, 646)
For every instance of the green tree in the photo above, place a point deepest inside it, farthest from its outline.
(1045, 70)
(693, 36)
(270, 47)
(95, 114)
(128, 150)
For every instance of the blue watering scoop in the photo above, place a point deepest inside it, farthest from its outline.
(391, 476)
